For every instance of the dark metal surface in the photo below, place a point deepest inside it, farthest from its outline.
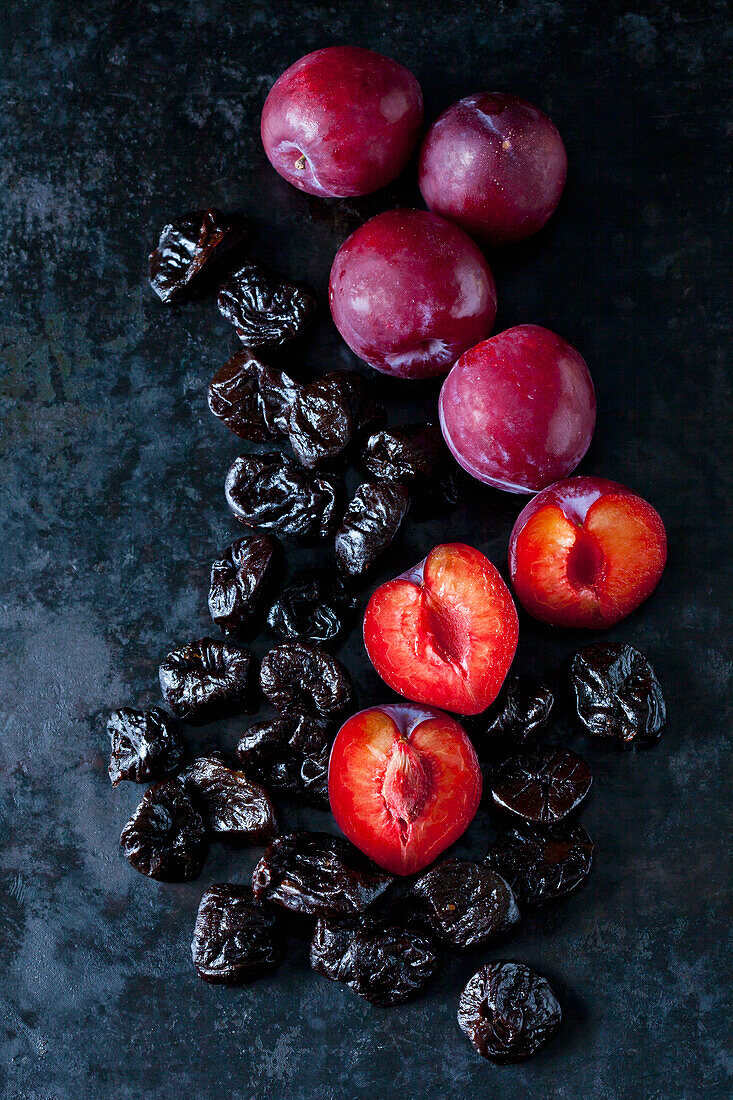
(117, 116)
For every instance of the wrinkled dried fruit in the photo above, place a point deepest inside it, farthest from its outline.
(327, 415)
(462, 902)
(303, 680)
(241, 580)
(372, 520)
(617, 694)
(289, 754)
(146, 744)
(315, 874)
(416, 455)
(166, 838)
(542, 864)
(508, 1012)
(384, 964)
(206, 680)
(235, 940)
(252, 399)
(543, 785)
(274, 492)
(187, 246)
(315, 607)
(517, 715)
(265, 309)
(230, 802)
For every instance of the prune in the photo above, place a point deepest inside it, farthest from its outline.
(382, 963)
(265, 309)
(508, 1012)
(372, 520)
(517, 715)
(234, 939)
(328, 414)
(303, 680)
(289, 754)
(206, 680)
(543, 785)
(241, 580)
(315, 607)
(541, 865)
(230, 802)
(617, 694)
(272, 491)
(464, 903)
(251, 398)
(166, 837)
(315, 874)
(416, 455)
(188, 245)
(146, 744)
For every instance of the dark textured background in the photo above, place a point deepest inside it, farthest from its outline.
(116, 116)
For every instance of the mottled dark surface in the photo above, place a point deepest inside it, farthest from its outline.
(116, 116)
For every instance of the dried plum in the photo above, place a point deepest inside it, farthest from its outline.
(617, 694)
(372, 520)
(146, 744)
(314, 607)
(543, 785)
(303, 680)
(328, 414)
(166, 838)
(241, 580)
(274, 492)
(234, 939)
(384, 964)
(517, 715)
(231, 803)
(290, 755)
(265, 309)
(187, 246)
(508, 1011)
(206, 680)
(542, 864)
(315, 874)
(464, 903)
(416, 455)
(252, 399)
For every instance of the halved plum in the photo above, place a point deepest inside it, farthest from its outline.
(404, 782)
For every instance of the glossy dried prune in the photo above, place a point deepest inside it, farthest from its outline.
(542, 864)
(314, 607)
(517, 715)
(382, 963)
(327, 415)
(462, 902)
(265, 309)
(371, 522)
(166, 838)
(206, 680)
(508, 1011)
(146, 744)
(543, 785)
(187, 246)
(234, 939)
(252, 399)
(289, 754)
(274, 492)
(416, 455)
(230, 802)
(241, 580)
(315, 874)
(304, 680)
(617, 694)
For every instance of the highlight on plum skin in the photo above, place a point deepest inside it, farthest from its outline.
(586, 552)
(409, 292)
(518, 410)
(342, 121)
(404, 783)
(495, 165)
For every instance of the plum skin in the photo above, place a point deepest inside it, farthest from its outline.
(518, 410)
(409, 292)
(342, 121)
(494, 164)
